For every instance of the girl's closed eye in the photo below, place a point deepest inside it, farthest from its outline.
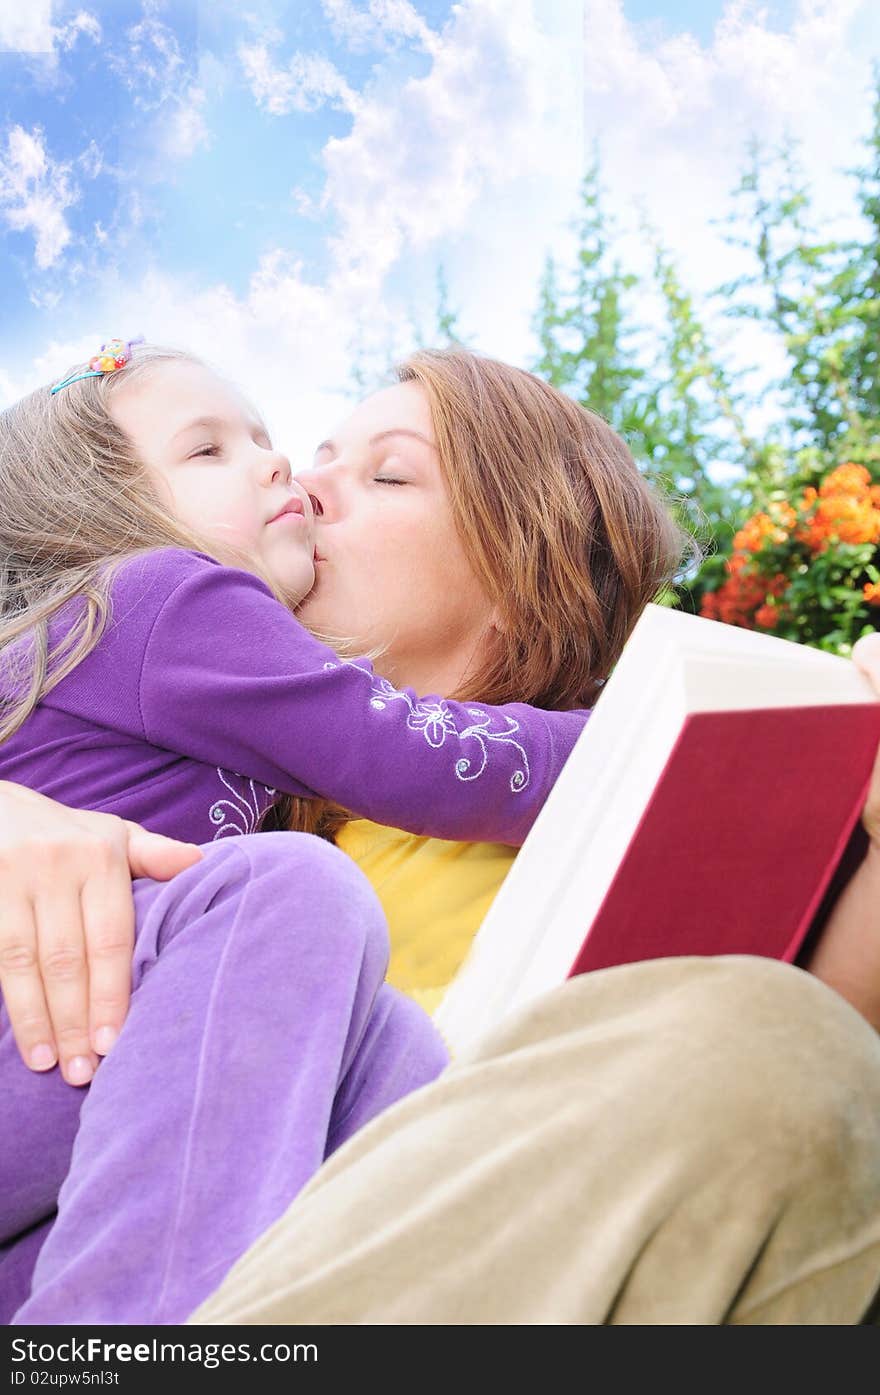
(206, 449)
(385, 479)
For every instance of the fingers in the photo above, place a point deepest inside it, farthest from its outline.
(108, 927)
(152, 855)
(866, 656)
(67, 924)
(84, 917)
(109, 920)
(48, 856)
(22, 985)
(61, 949)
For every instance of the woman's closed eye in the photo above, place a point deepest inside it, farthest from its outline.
(389, 471)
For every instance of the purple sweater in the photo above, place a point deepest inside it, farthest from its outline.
(205, 699)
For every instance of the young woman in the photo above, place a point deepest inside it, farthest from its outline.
(185, 627)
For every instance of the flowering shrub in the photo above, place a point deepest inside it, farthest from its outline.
(805, 567)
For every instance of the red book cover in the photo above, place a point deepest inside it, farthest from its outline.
(741, 837)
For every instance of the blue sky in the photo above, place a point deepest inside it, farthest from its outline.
(698, 17)
(275, 185)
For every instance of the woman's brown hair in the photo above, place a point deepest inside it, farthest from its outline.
(566, 536)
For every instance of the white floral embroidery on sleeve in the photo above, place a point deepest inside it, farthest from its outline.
(243, 811)
(435, 721)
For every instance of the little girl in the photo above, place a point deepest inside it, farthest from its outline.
(154, 543)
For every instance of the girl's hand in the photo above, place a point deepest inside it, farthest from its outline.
(67, 924)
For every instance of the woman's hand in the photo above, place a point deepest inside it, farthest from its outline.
(847, 955)
(67, 924)
(866, 656)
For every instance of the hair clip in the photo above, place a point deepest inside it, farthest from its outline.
(113, 355)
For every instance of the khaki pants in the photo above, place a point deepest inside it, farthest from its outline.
(682, 1141)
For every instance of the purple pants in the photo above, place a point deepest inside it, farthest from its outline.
(260, 1036)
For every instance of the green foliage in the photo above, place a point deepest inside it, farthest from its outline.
(684, 413)
(695, 423)
(676, 406)
(823, 604)
(821, 298)
(447, 327)
(584, 337)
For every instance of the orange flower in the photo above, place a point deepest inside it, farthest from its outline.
(783, 513)
(843, 518)
(743, 597)
(753, 534)
(846, 479)
(845, 509)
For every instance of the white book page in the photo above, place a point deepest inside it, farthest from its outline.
(720, 683)
(613, 767)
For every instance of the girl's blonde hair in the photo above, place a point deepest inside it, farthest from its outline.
(566, 536)
(75, 501)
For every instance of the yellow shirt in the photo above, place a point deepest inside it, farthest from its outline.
(434, 894)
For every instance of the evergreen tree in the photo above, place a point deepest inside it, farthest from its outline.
(552, 365)
(666, 404)
(447, 330)
(822, 296)
(854, 294)
(697, 427)
(585, 339)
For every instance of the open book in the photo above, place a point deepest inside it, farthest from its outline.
(704, 810)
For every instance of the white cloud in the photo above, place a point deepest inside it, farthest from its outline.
(304, 203)
(91, 161)
(674, 118)
(183, 130)
(168, 85)
(152, 66)
(28, 28)
(309, 81)
(477, 163)
(82, 23)
(379, 24)
(283, 341)
(498, 106)
(34, 193)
